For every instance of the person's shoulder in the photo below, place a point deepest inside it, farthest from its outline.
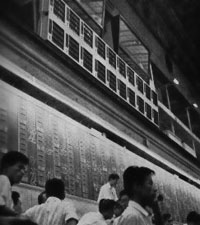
(106, 185)
(33, 209)
(129, 213)
(131, 218)
(90, 214)
(4, 178)
(68, 204)
(4, 181)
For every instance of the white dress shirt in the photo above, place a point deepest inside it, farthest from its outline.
(92, 218)
(53, 212)
(107, 192)
(5, 192)
(135, 214)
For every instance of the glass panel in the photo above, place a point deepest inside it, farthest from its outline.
(112, 80)
(101, 71)
(131, 97)
(58, 35)
(122, 89)
(87, 60)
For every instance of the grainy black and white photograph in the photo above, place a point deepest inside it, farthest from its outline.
(100, 112)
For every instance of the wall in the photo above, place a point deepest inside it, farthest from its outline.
(58, 146)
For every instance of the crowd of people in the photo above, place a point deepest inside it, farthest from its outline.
(138, 202)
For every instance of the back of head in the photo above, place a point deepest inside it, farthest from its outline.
(55, 188)
(123, 198)
(118, 209)
(11, 158)
(42, 197)
(135, 175)
(113, 176)
(15, 197)
(193, 217)
(122, 193)
(106, 208)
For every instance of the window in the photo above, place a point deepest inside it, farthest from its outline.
(122, 89)
(131, 95)
(101, 71)
(139, 83)
(101, 47)
(140, 103)
(87, 59)
(112, 80)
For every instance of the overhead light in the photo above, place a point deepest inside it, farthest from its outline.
(195, 105)
(176, 81)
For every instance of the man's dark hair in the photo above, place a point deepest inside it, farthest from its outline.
(41, 198)
(113, 176)
(13, 157)
(193, 217)
(55, 187)
(15, 197)
(106, 205)
(122, 193)
(135, 175)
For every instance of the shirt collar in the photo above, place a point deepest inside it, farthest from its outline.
(52, 199)
(100, 216)
(108, 184)
(138, 207)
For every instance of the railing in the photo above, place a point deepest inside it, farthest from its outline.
(61, 26)
(177, 131)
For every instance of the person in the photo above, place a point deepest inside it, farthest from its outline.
(167, 219)
(108, 191)
(123, 199)
(193, 218)
(156, 211)
(106, 211)
(13, 166)
(138, 184)
(17, 204)
(42, 198)
(55, 210)
(118, 209)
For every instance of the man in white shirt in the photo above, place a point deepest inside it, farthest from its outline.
(138, 184)
(13, 166)
(55, 211)
(106, 210)
(123, 201)
(108, 190)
